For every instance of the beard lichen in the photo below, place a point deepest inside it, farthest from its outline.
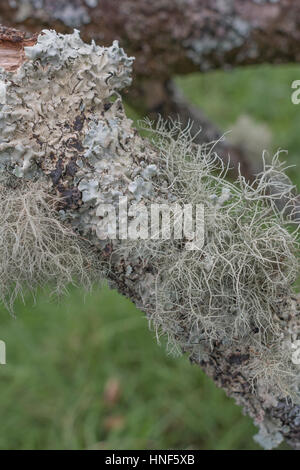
(36, 248)
(237, 289)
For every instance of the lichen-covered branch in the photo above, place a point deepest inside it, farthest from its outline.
(229, 305)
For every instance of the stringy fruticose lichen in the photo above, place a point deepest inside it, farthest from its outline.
(63, 127)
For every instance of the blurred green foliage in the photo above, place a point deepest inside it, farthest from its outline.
(88, 374)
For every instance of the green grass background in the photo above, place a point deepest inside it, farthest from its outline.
(88, 374)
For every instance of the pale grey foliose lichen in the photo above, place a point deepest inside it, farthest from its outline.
(43, 113)
(73, 14)
(62, 123)
(269, 436)
(237, 32)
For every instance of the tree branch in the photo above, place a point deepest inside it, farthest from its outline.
(182, 35)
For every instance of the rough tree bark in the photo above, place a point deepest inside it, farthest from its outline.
(175, 37)
(183, 36)
(63, 123)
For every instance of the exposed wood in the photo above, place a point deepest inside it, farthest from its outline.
(12, 43)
